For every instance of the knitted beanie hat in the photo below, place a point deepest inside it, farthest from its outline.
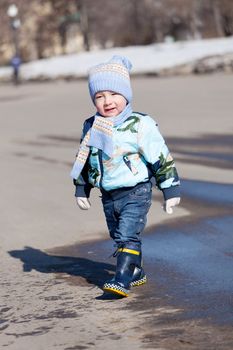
(111, 76)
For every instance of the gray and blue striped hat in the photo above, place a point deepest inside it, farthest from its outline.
(111, 76)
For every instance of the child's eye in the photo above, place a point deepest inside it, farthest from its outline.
(114, 93)
(97, 97)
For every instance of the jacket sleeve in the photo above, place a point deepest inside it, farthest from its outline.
(159, 160)
(82, 186)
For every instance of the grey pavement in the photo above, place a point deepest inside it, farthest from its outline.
(46, 303)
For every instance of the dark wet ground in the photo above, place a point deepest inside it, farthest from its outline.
(212, 150)
(189, 263)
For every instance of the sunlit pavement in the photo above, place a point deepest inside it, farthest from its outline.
(55, 258)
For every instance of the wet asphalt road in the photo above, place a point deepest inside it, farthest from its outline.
(190, 264)
(188, 260)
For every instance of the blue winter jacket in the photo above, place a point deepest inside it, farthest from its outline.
(140, 153)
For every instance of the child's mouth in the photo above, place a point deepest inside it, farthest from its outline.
(110, 109)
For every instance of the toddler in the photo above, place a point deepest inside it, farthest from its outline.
(122, 152)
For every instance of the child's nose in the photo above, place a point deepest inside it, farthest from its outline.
(107, 100)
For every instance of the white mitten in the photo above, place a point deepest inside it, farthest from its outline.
(169, 203)
(83, 203)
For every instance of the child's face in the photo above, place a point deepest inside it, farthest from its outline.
(109, 103)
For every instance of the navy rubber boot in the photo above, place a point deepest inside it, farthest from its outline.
(128, 270)
(139, 277)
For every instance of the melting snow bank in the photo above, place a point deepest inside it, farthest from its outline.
(187, 57)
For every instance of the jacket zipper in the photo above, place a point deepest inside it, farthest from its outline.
(101, 167)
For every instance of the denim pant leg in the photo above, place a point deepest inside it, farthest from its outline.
(110, 215)
(126, 217)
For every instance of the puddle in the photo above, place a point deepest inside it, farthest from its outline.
(189, 263)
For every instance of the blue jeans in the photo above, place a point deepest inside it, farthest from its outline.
(126, 216)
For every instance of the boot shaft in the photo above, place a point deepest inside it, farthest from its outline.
(129, 270)
(128, 258)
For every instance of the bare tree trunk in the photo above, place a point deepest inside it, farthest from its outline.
(84, 23)
(159, 36)
(135, 11)
(196, 22)
(63, 36)
(39, 42)
(218, 18)
(158, 18)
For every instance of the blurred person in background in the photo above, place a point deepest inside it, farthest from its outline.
(15, 63)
